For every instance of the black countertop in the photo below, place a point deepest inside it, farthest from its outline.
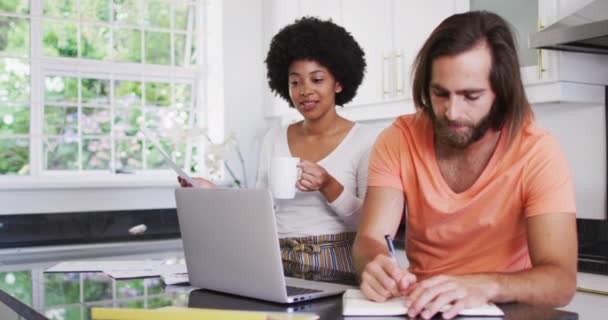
(33, 294)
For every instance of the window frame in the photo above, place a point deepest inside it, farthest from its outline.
(42, 66)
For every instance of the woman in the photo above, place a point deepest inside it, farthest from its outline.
(316, 65)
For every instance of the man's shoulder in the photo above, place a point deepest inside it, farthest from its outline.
(535, 143)
(534, 137)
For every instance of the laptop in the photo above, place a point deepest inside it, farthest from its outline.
(231, 245)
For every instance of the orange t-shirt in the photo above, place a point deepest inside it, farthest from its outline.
(482, 229)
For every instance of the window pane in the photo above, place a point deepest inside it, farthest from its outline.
(135, 304)
(127, 121)
(14, 120)
(154, 303)
(95, 42)
(60, 8)
(182, 94)
(97, 286)
(95, 10)
(182, 13)
(61, 153)
(127, 45)
(179, 45)
(14, 80)
(193, 51)
(15, 156)
(96, 154)
(158, 94)
(158, 47)
(95, 121)
(60, 120)
(59, 39)
(15, 6)
(166, 121)
(155, 286)
(156, 161)
(61, 288)
(14, 36)
(96, 91)
(127, 93)
(18, 284)
(128, 154)
(60, 89)
(158, 14)
(127, 12)
(69, 313)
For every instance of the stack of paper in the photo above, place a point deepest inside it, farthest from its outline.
(354, 303)
(175, 313)
(175, 273)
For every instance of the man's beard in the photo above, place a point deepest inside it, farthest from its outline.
(457, 139)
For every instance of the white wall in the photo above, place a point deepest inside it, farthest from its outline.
(244, 79)
(581, 130)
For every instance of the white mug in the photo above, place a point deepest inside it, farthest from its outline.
(283, 175)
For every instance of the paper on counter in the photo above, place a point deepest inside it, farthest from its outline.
(131, 274)
(105, 266)
(175, 273)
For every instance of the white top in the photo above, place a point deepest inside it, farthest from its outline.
(309, 213)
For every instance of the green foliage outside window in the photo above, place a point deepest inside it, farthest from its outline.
(18, 284)
(80, 117)
(15, 6)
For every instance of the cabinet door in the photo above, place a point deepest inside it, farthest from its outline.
(413, 23)
(524, 18)
(370, 23)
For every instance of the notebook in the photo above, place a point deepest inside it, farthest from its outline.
(354, 303)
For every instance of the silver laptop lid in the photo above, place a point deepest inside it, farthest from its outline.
(230, 241)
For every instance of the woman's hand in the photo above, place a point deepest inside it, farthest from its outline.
(315, 178)
(198, 183)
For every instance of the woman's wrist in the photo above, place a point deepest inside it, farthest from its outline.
(332, 190)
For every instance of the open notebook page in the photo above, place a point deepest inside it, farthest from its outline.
(354, 303)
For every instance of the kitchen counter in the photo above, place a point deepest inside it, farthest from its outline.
(28, 292)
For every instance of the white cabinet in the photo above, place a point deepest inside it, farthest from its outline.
(551, 76)
(390, 32)
(413, 22)
(370, 23)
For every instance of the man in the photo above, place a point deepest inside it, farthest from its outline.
(489, 196)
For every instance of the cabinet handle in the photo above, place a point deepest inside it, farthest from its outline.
(399, 60)
(539, 54)
(385, 58)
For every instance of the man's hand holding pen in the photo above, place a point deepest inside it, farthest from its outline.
(383, 278)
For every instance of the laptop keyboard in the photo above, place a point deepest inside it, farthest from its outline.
(296, 291)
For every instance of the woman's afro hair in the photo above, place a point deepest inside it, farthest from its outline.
(325, 42)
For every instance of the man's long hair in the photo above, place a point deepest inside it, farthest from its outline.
(460, 33)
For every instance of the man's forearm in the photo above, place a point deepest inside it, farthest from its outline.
(546, 285)
(365, 249)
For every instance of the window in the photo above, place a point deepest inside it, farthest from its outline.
(78, 78)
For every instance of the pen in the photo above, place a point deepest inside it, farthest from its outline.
(389, 244)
